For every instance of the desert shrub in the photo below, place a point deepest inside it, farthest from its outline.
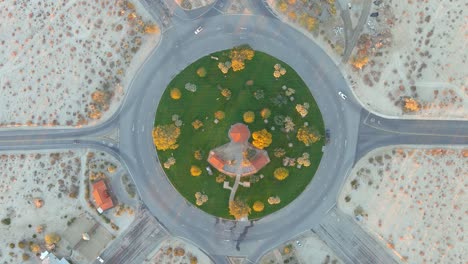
(281, 173)
(51, 238)
(11, 245)
(6, 221)
(35, 248)
(25, 257)
(22, 244)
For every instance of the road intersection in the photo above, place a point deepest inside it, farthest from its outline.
(354, 131)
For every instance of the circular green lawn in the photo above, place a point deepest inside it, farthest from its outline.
(207, 99)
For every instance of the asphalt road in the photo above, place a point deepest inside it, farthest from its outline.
(352, 130)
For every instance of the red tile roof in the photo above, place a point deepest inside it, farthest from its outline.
(101, 196)
(239, 133)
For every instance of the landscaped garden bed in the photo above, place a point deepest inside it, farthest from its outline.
(201, 104)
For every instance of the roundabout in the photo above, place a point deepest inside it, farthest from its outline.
(179, 48)
(280, 125)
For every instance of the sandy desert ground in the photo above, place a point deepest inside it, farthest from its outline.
(177, 251)
(193, 4)
(412, 49)
(48, 176)
(69, 62)
(319, 20)
(311, 250)
(412, 200)
(54, 182)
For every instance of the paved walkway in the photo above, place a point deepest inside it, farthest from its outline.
(349, 241)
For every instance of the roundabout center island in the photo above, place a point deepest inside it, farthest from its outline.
(239, 134)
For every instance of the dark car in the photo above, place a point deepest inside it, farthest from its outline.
(327, 136)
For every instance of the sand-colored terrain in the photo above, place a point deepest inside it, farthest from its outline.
(43, 192)
(176, 251)
(69, 62)
(307, 248)
(319, 20)
(53, 178)
(413, 200)
(413, 49)
(193, 4)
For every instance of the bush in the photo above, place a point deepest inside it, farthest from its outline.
(258, 206)
(25, 257)
(201, 72)
(6, 221)
(51, 238)
(249, 117)
(195, 171)
(281, 173)
(176, 94)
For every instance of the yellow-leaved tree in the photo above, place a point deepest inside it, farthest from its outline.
(249, 117)
(307, 135)
(261, 139)
(195, 171)
(51, 238)
(281, 173)
(258, 206)
(239, 209)
(165, 136)
(239, 55)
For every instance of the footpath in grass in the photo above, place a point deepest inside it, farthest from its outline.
(253, 88)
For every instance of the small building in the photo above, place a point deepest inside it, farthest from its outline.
(101, 195)
(49, 258)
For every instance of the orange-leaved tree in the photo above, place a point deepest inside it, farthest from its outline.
(411, 105)
(239, 209)
(261, 139)
(238, 55)
(165, 136)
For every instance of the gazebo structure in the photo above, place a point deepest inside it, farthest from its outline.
(238, 157)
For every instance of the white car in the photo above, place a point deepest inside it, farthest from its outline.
(198, 30)
(100, 259)
(343, 96)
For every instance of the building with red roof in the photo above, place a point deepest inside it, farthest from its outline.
(238, 157)
(102, 198)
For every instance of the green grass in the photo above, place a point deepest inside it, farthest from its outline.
(207, 99)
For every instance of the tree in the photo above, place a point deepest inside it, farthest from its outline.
(261, 139)
(195, 171)
(239, 209)
(281, 173)
(51, 238)
(238, 55)
(6, 221)
(258, 206)
(307, 135)
(311, 23)
(197, 124)
(411, 105)
(175, 93)
(249, 117)
(359, 62)
(219, 115)
(165, 137)
(201, 72)
(35, 248)
(197, 155)
(226, 93)
(151, 29)
(265, 113)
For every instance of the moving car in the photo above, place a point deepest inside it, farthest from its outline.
(327, 136)
(343, 96)
(198, 30)
(100, 259)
